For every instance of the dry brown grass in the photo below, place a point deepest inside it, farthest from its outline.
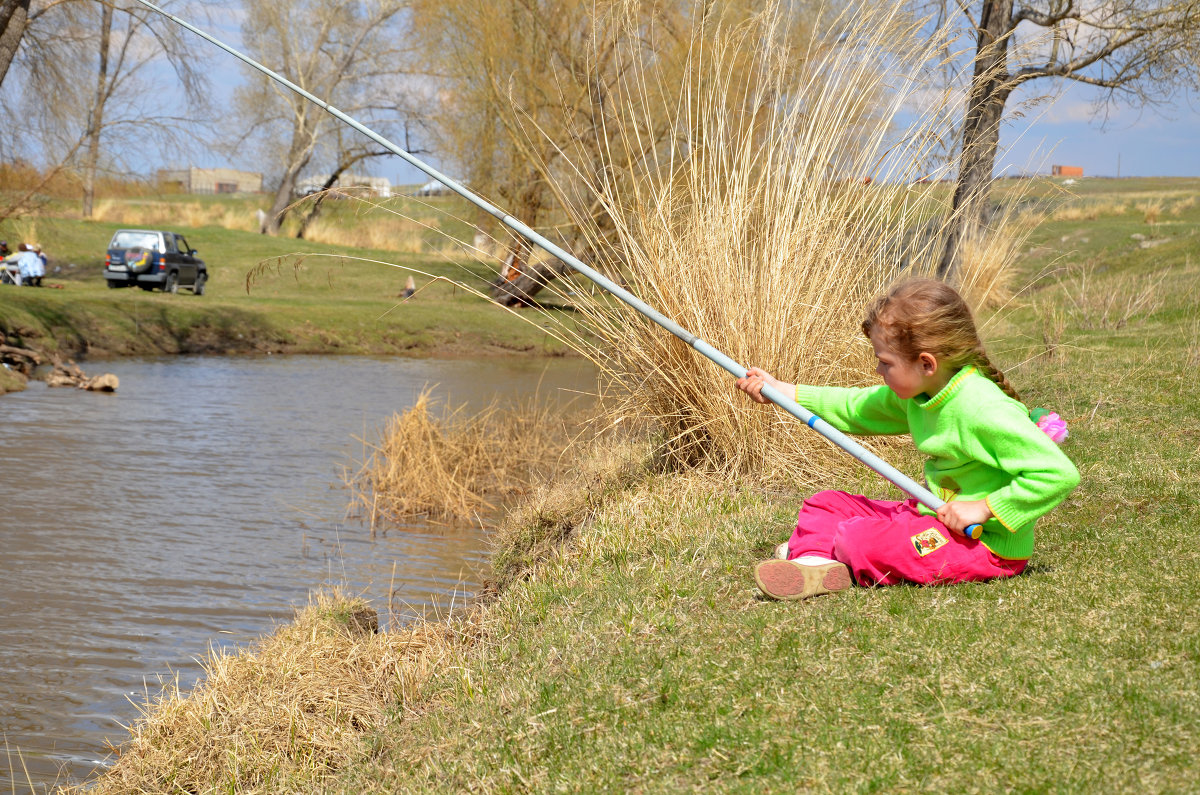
(169, 214)
(755, 230)
(1089, 210)
(1151, 211)
(24, 230)
(985, 272)
(285, 714)
(383, 231)
(1179, 207)
(449, 464)
(1113, 303)
(1053, 321)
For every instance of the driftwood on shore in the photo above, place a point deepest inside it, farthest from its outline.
(22, 362)
(69, 374)
(21, 359)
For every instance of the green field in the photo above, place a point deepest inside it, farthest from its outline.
(631, 651)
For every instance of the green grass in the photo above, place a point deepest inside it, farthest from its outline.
(307, 298)
(639, 657)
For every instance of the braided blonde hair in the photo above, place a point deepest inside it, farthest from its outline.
(928, 316)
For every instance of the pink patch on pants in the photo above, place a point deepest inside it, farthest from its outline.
(885, 543)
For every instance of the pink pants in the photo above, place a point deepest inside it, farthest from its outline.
(885, 543)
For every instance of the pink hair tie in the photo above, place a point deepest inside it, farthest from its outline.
(1051, 424)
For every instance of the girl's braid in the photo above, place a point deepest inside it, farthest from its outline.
(995, 373)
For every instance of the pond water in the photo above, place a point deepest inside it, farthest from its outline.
(199, 505)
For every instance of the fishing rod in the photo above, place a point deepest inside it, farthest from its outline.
(784, 401)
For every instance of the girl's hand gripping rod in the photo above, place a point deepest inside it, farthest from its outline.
(899, 479)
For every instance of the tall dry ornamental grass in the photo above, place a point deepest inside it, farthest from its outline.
(791, 191)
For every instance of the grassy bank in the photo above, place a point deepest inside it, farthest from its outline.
(628, 649)
(639, 657)
(308, 297)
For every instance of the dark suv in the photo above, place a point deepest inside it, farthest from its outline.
(151, 259)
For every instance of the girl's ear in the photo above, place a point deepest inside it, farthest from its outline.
(928, 363)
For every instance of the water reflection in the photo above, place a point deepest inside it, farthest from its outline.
(197, 506)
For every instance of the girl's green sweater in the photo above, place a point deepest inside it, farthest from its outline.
(980, 442)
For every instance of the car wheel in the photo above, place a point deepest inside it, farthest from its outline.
(114, 285)
(198, 287)
(171, 285)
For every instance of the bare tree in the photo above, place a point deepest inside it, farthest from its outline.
(14, 15)
(1137, 51)
(95, 121)
(90, 90)
(345, 51)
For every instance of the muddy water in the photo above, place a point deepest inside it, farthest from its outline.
(195, 507)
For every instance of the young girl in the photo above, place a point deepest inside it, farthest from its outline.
(987, 459)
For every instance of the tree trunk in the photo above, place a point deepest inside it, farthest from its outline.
(298, 157)
(14, 14)
(990, 89)
(526, 282)
(315, 209)
(96, 116)
(519, 281)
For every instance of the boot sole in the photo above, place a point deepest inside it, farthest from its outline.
(785, 580)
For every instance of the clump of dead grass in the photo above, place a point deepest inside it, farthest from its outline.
(765, 227)
(1151, 211)
(986, 265)
(446, 463)
(1182, 205)
(1088, 210)
(25, 231)
(297, 707)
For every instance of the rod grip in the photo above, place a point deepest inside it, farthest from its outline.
(973, 531)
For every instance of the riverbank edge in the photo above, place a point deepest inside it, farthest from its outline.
(70, 343)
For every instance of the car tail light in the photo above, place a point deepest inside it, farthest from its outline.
(162, 263)
(108, 260)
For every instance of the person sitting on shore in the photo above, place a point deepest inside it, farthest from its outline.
(29, 265)
(987, 459)
(9, 272)
(37, 249)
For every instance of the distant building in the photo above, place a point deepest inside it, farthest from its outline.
(1066, 171)
(212, 180)
(379, 186)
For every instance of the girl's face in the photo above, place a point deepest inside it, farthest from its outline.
(907, 378)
